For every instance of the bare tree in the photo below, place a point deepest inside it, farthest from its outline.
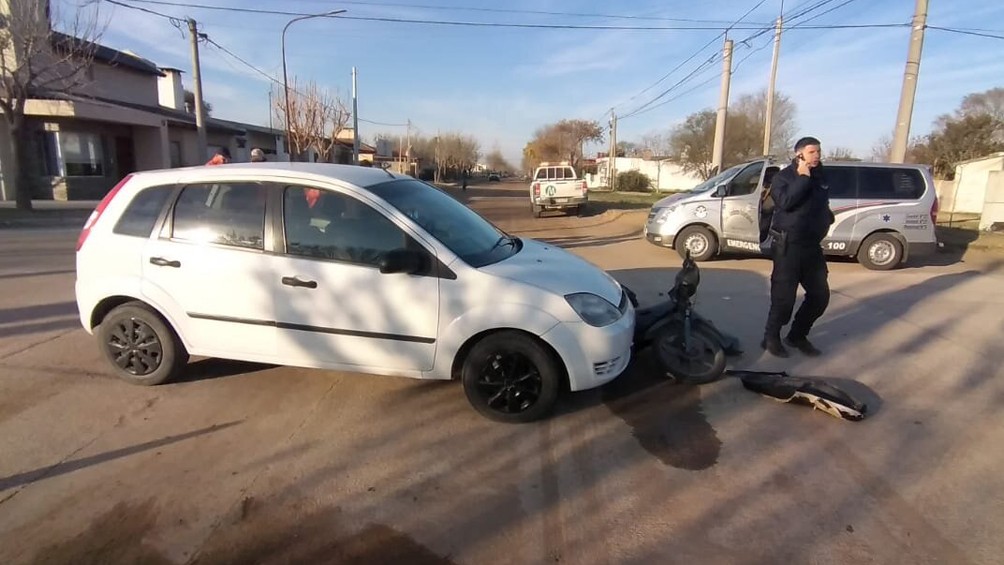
(753, 107)
(840, 154)
(38, 62)
(332, 117)
(496, 161)
(315, 119)
(561, 141)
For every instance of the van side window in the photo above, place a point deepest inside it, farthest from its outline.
(142, 212)
(541, 174)
(841, 182)
(746, 181)
(878, 183)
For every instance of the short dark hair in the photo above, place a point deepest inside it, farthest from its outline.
(805, 142)
(224, 151)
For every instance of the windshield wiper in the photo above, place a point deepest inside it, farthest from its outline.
(503, 239)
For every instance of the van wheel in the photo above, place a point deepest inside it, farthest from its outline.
(880, 252)
(141, 348)
(538, 211)
(510, 377)
(702, 243)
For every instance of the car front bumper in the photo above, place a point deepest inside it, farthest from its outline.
(593, 356)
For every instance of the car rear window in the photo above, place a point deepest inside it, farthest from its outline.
(142, 212)
(877, 183)
(556, 173)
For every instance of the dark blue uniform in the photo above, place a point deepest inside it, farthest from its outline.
(801, 220)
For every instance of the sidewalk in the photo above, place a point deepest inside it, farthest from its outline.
(46, 214)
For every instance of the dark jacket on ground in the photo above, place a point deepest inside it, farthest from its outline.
(801, 205)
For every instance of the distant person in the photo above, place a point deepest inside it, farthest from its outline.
(801, 219)
(257, 155)
(463, 179)
(222, 157)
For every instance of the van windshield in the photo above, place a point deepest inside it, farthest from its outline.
(717, 179)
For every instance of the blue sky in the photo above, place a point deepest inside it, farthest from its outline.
(500, 84)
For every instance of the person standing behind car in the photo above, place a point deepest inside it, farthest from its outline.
(222, 157)
(801, 220)
(257, 155)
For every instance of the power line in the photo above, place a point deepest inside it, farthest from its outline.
(458, 23)
(966, 32)
(530, 12)
(687, 60)
(237, 57)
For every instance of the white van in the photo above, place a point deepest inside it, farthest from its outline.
(884, 212)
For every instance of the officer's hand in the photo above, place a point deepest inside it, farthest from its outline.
(803, 167)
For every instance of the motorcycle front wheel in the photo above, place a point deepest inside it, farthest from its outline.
(700, 361)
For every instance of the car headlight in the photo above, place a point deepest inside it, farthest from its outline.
(594, 310)
(662, 214)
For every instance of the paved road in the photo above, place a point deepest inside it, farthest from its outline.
(255, 463)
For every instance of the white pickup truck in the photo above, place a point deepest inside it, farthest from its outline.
(557, 186)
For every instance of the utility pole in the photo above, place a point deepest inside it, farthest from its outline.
(355, 120)
(409, 147)
(768, 119)
(723, 108)
(611, 161)
(200, 113)
(901, 137)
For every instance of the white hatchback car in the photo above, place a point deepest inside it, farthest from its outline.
(345, 268)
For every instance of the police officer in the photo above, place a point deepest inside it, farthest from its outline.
(801, 220)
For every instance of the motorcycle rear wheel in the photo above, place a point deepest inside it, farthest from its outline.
(703, 362)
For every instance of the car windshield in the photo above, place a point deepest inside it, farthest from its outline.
(472, 238)
(717, 179)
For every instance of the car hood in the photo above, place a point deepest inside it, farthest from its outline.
(554, 269)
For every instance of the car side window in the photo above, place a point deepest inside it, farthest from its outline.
(542, 174)
(324, 224)
(746, 181)
(841, 182)
(142, 212)
(226, 214)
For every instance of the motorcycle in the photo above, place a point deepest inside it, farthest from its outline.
(688, 346)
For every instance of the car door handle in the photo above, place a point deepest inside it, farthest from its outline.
(161, 262)
(294, 281)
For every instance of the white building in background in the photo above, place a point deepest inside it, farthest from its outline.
(665, 174)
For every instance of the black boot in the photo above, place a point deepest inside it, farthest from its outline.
(804, 345)
(774, 347)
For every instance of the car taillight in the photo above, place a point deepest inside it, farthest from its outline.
(93, 219)
(934, 212)
(536, 189)
(585, 187)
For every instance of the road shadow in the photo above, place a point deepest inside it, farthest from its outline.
(211, 368)
(572, 242)
(37, 274)
(35, 475)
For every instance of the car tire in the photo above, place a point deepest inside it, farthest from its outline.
(140, 346)
(511, 377)
(703, 243)
(881, 252)
(538, 211)
(580, 210)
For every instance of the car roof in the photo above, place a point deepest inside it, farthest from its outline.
(351, 174)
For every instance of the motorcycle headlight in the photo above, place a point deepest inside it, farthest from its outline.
(663, 214)
(594, 310)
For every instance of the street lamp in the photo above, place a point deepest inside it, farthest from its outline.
(285, 80)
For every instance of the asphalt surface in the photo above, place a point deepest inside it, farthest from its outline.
(249, 463)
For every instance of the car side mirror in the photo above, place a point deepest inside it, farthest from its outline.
(406, 261)
(722, 191)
